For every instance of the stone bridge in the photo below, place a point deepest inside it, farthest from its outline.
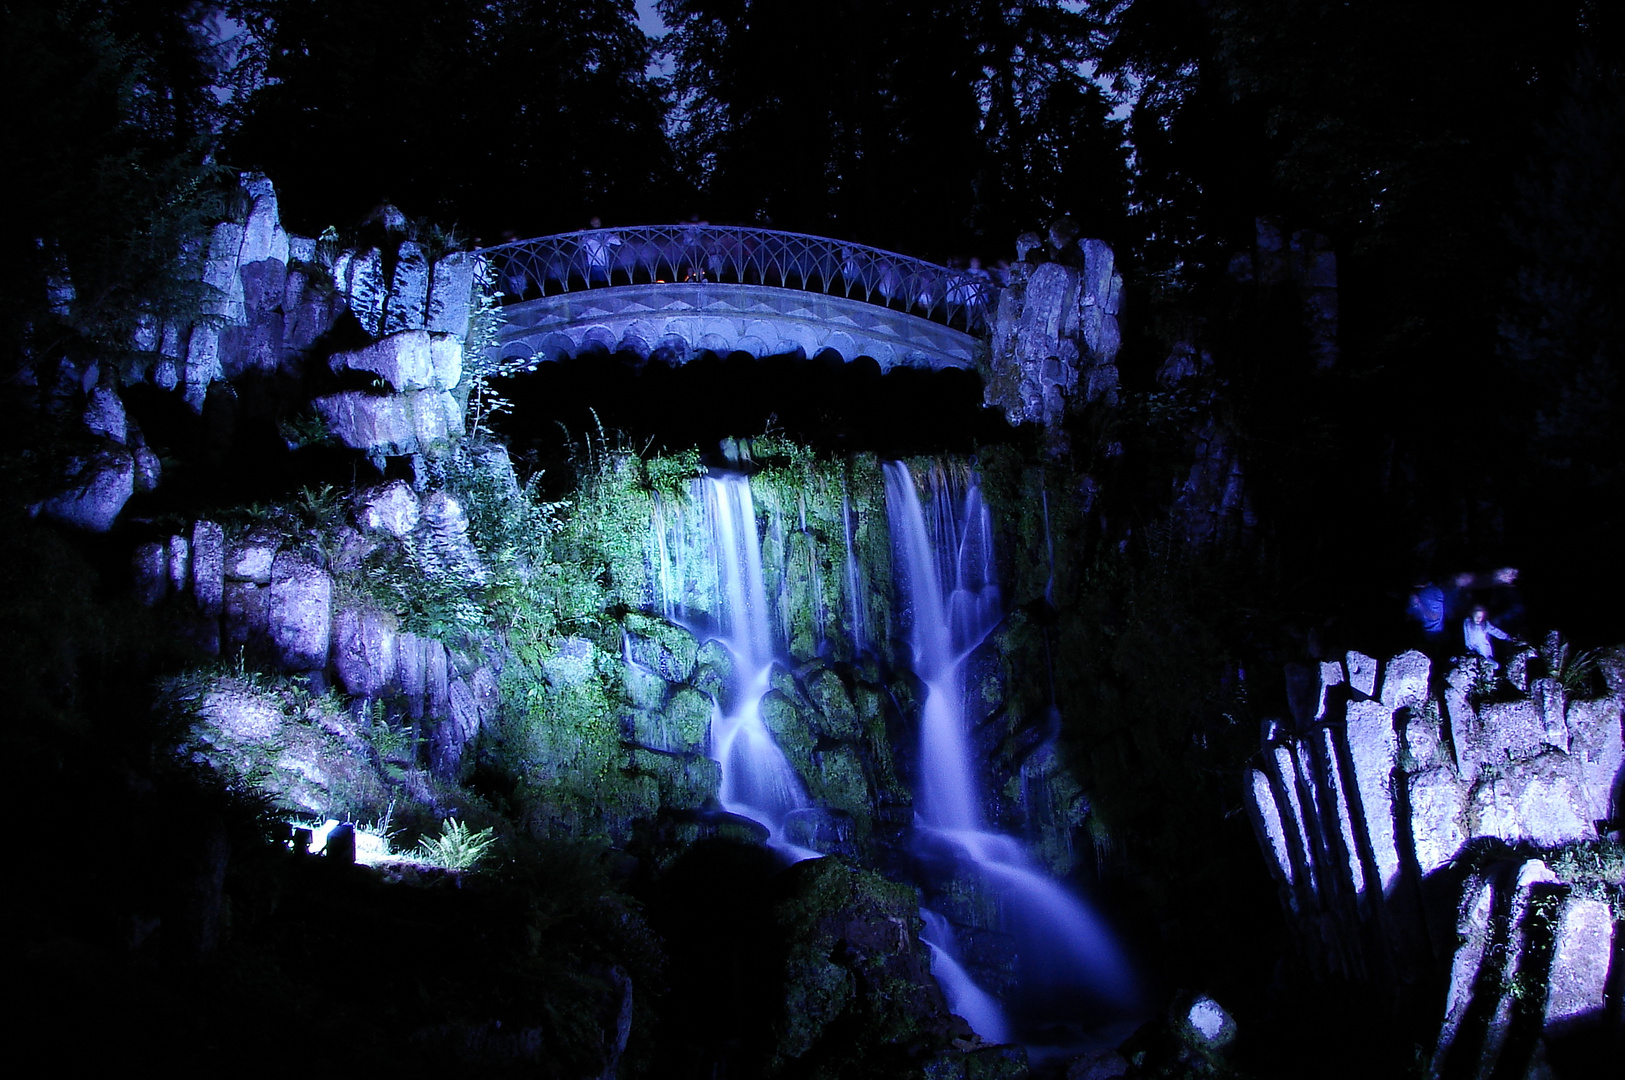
(675, 290)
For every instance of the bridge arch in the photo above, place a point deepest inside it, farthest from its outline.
(677, 290)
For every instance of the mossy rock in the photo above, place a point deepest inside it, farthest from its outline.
(838, 781)
(859, 996)
(837, 716)
(644, 689)
(686, 780)
(787, 722)
(714, 671)
(664, 648)
(688, 719)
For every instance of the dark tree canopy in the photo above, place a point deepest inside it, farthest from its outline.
(938, 129)
(521, 116)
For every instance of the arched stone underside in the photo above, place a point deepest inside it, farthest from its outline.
(680, 320)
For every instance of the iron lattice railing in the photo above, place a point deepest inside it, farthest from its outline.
(601, 258)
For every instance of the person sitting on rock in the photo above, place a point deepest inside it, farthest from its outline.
(1477, 630)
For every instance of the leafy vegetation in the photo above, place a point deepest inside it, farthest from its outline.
(457, 847)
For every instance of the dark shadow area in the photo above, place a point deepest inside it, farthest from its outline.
(819, 401)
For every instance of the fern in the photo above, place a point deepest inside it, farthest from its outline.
(457, 847)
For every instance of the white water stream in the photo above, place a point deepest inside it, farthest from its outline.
(950, 581)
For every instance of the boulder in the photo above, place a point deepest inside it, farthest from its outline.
(250, 558)
(688, 720)
(102, 485)
(686, 781)
(391, 509)
(444, 546)
(446, 356)
(1405, 681)
(403, 360)
(301, 612)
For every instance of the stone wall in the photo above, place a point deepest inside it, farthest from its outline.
(1416, 818)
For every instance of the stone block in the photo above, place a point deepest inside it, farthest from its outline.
(178, 550)
(1374, 752)
(208, 566)
(364, 286)
(301, 612)
(1437, 799)
(451, 293)
(263, 237)
(437, 679)
(1331, 674)
(1473, 931)
(411, 673)
(1510, 731)
(1542, 801)
(1271, 831)
(1595, 745)
(446, 356)
(838, 717)
(1334, 788)
(1362, 673)
(1577, 985)
(408, 290)
(246, 617)
(220, 273)
(365, 651)
(241, 716)
(664, 648)
(149, 569)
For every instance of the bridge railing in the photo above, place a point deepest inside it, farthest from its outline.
(601, 258)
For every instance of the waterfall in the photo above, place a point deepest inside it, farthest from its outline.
(965, 998)
(758, 782)
(948, 575)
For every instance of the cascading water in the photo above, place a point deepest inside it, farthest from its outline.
(758, 782)
(949, 578)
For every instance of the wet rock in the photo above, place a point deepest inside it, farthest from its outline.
(102, 484)
(688, 720)
(686, 781)
(571, 663)
(856, 977)
(301, 612)
(664, 648)
(713, 670)
(1100, 1065)
(789, 727)
(837, 716)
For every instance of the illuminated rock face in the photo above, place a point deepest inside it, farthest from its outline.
(1365, 815)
